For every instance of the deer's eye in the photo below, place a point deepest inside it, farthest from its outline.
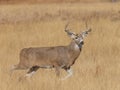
(76, 37)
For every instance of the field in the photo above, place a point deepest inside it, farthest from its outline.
(52, 1)
(98, 66)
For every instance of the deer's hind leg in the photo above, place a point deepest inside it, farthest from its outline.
(31, 71)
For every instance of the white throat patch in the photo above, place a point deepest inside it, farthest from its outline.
(76, 47)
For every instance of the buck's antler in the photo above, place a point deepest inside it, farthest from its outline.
(68, 30)
(84, 33)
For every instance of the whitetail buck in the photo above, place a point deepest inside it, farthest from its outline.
(58, 57)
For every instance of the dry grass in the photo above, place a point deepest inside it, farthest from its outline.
(50, 12)
(52, 1)
(97, 68)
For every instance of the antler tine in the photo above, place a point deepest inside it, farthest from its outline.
(88, 29)
(66, 26)
(86, 24)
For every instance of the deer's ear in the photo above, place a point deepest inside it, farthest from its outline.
(73, 36)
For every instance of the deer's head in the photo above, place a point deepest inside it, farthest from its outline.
(78, 38)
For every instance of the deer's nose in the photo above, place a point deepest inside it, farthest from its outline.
(82, 42)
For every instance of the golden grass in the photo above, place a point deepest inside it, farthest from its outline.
(52, 1)
(97, 68)
(50, 12)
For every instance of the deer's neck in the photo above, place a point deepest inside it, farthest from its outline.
(74, 50)
(75, 47)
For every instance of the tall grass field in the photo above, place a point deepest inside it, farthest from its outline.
(98, 66)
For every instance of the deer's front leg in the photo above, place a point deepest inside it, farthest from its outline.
(70, 73)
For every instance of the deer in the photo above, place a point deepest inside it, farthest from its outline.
(57, 57)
